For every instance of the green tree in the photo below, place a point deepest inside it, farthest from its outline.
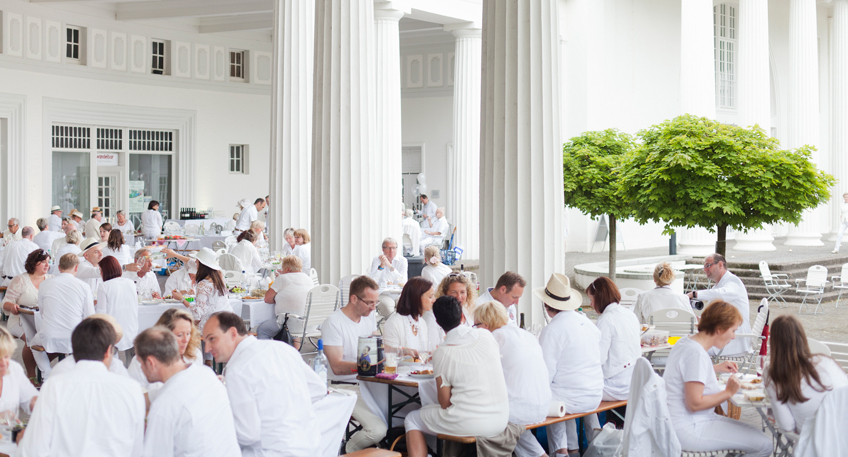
(590, 165)
(693, 171)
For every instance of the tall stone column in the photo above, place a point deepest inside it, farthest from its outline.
(754, 99)
(464, 181)
(345, 207)
(291, 118)
(389, 191)
(839, 139)
(697, 94)
(521, 201)
(804, 104)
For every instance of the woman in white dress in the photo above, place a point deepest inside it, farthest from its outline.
(621, 344)
(303, 249)
(117, 297)
(246, 251)
(661, 297)
(116, 247)
(406, 328)
(693, 391)
(17, 390)
(23, 291)
(151, 220)
(435, 271)
(472, 393)
(524, 370)
(797, 380)
(181, 324)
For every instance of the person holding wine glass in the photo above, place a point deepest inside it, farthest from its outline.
(406, 328)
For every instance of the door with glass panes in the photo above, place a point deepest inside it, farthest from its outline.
(110, 191)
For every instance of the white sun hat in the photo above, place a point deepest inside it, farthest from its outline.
(207, 257)
(90, 243)
(558, 294)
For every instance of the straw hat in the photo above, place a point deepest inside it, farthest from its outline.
(207, 257)
(96, 209)
(89, 243)
(118, 329)
(55, 208)
(558, 294)
(76, 213)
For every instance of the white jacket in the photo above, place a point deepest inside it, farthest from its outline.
(823, 435)
(621, 345)
(647, 426)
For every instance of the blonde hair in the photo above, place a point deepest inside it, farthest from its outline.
(664, 274)
(303, 234)
(7, 343)
(68, 261)
(257, 224)
(470, 292)
(292, 263)
(492, 314)
(430, 252)
(169, 319)
(73, 237)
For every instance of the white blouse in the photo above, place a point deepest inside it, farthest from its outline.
(248, 254)
(406, 332)
(207, 302)
(688, 362)
(151, 223)
(17, 389)
(791, 417)
(621, 347)
(118, 298)
(525, 374)
(122, 254)
(435, 274)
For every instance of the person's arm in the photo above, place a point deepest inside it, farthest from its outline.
(444, 393)
(550, 353)
(270, 296)
(37, 439)
(375, 272)
(782, 414)
(340, 367)
(170, 253)
(697, 401)
(100, 306)
(13, 293)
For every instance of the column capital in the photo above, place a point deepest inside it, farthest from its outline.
(390, 9)
(465, 29)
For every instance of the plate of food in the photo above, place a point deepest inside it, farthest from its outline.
(755, 395)
(422, 374)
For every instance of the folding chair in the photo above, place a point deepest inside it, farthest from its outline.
(232, 277)
(172, 228)
(628, 296)
(817, 347)
(838, 352)
(230, 262)
(750, 360)
(840, 282)
(218, 245)
(344, 287)
(814, 285)
(776, 283)
(321, 301)
(677, 323)
(313, 273)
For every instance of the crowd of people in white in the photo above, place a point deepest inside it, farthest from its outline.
(491, 375)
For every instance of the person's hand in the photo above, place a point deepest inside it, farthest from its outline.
(12, 308)
(691, 295)
(384, 261)
(727, 367)
(177, 295)
(733, 385)
(156, 295)
(20, 436)
(169, 252)
(133, 267)
(412, 352)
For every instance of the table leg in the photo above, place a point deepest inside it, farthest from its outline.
(389, 420)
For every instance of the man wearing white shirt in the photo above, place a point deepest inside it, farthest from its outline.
(269, 421)
(12, 232)
(87, 411)
(76, 219)
(428, 211)
(15, 254)
(389, 268)
(728, 287)
(411, 228)
(117, 366)
(45, 237)
(145, 280)
(126, 227)
(508, 290)
(191, 415)
(59, 242)
(341, 331)
(436, 233)
(89, 269)
(54, 222)
(248, 215)
(92, 227)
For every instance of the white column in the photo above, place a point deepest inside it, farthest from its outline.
(697, 94)
(839, 86)
(344, 204)
(291, 118)
(521, 201)
(389, 191)
(754, 99)
(464, 183)
(803, 107)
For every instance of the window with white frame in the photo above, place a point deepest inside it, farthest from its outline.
(238, 158)
(237, 65)
(73, 52)
(158, 53)
(724, 26)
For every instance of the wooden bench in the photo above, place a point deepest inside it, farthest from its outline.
(373, 452)
(604, 406)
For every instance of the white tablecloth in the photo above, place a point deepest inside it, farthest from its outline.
(376, 395)
(331, 417)
(256, 311)
(8, 448)
(206, 222)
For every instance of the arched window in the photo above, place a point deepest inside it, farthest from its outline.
(724, 27)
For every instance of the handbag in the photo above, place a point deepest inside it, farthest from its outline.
(284, 335)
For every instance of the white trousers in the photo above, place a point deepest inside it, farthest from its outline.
(842, 227)
(563, 435)
(528, 446)
(373, 427)
(720, 433)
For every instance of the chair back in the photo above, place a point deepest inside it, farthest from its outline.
(764, 271)
(313, 273)
(230, 262)
(761, 321)
(321, 301)
(230, 241)
(839, 353)
(193, 229)
(816, 277)
(675, 321)
(218, 244)
(844, 277)
(344, 287)
(628, 295)
(233, 277)
(407, 244)
(817, 347)
(172, 227)
(221, 251)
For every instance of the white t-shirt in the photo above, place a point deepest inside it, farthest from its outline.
(340, 330)
(511, 311)
(688, 362)
(291, 289)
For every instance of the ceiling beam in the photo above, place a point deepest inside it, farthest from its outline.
(191, 8)
(259, 21)
(447, 11)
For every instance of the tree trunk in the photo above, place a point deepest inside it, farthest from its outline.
(721, 243)
(612, 247)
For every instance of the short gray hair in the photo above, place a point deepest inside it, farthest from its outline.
(288, 231)
(141, 253)
(409, 213)
(73, 237)
(14, 221)
(389, 240)
(159, 342)
(27, 231)
(41, 223)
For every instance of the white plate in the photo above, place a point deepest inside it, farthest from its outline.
(422, 376)
(151, 302)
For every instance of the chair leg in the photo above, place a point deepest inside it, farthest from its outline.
(819, 305)
(839, 297)
(803, 304)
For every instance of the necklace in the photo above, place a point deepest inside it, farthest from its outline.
(414, 324)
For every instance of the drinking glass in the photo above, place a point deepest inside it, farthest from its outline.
(424, 356)
(391, 360)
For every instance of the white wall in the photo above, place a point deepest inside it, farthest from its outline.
(429, 120)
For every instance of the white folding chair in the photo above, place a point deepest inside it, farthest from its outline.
(230, 262)
(814, 285)
(232, 277)
(172, 227)
(344, 287)
(230, 241)
(776, 283)
(817, 347)
(313, 273)
(321, 301)
(840, 282)
(193, 229)
(677, 323)
(628, 296)
(839, 353)
(749, 360)
(218, 245)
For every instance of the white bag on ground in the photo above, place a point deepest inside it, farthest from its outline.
(608, 443)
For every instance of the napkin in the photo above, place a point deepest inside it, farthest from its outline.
(557, 409)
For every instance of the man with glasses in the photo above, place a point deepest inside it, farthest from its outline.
(15, 255)
(341, 332)
(389, 268)
(12, 232)
(728, 287)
